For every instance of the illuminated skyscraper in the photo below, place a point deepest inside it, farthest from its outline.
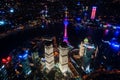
(25, 62)
(93, 13)
(3, 73)
(49, 56)
(63, 58)
(86, 52)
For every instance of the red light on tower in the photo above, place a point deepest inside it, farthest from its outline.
(93, 12)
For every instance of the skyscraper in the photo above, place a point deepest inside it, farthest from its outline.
(63, 58)
(49, 56)
(86, 51)
(3, 73)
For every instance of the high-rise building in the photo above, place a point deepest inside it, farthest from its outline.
(35, 55)
(3, 73)
(49, 56)
(25, 62)
(63, 58)
(86, 52)
(93, 13)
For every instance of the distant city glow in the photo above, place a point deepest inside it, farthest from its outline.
(116, 33)
(85, 14)
(42, 26)
(109, 25)
(93, 12)
(78, 18)
(106, 31)
(2, 22)
(115, 46)
(2, 12)
(78, 3)
(65, 8)
(26, 51)
(113, 43)
(12, 10)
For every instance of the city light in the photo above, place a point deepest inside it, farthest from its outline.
(85, 14)
(23, 56)
(6, 60)
(26, 51)
(2, 67)
(65, 22)
(90, 47)
(2, 22)
(29, 72)
(116, 33)
(113, 44)
(78, 3)
(11, 10)
(106, 31)
(20, 56)
(78, 18)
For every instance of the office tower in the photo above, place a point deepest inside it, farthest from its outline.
(63, 58)
(86, 51)
(49, 56)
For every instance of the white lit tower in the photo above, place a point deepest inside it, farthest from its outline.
(63, 58)
(49, 56)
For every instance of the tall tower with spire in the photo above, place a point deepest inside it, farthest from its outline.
(65, 38)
